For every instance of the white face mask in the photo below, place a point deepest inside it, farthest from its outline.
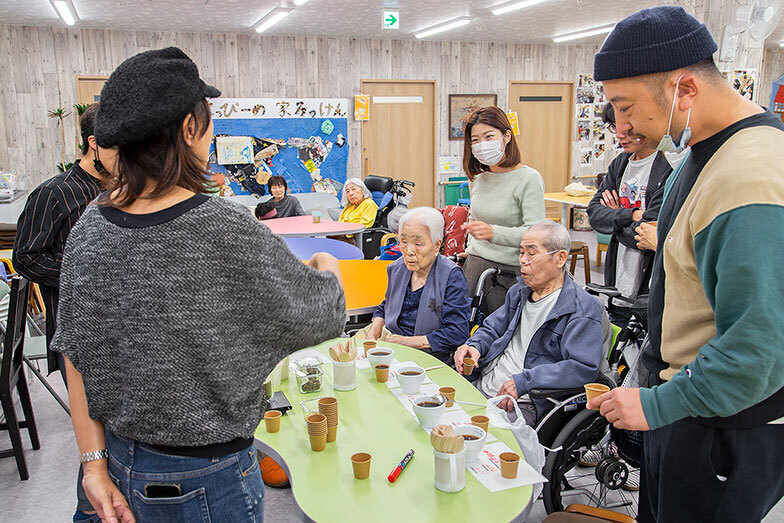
(488, 152)
(667, 144)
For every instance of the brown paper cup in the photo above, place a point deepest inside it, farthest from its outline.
(317, 424)
(594, 390)
(272, 420)
(382, 372)
(369, 345)
(449, 394)
(318, 443)
(509, 463)
(332, 433)
(480, 421)
(652, 223)
(361, 464)
(468, 366)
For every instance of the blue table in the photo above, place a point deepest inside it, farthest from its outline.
(304, 248)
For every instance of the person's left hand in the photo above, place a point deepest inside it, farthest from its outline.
(622, 407)
(646, 237)
(507, 389)
(400, 340)
(610, 200)
(479, 230)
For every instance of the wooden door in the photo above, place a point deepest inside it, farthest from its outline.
(399, 140)
(88, 88)
(545, 112)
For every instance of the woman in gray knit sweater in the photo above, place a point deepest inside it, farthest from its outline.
(174, 307)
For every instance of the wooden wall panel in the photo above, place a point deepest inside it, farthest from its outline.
(38, 65)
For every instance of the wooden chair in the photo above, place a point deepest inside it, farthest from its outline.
(581, 248)
(577, 513)
(36, 299)
(602, 243)
(12, 377)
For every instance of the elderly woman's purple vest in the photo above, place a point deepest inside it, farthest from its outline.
(431, 301)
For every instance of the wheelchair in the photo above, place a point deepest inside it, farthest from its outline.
(568, 430)
(392, 197)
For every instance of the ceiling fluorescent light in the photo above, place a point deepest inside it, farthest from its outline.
(65, 12)
(446, 26)
(583, 34)
(272, 18)
(514, 6)
(299, 2)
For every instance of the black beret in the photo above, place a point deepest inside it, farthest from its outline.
(147, 92)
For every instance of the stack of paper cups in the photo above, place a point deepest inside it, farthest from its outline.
(329, 408)
(317, 430)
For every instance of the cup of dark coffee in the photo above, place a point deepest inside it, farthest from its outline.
(474, 439)
(410, 378)
(380, 355)
(428, 410)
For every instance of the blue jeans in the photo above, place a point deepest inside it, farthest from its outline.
(226, 488)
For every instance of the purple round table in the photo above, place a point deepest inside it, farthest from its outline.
(305, 248)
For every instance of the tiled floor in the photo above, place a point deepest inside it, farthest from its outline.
(49, 495)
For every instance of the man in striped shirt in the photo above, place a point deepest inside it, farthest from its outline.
(50, 213)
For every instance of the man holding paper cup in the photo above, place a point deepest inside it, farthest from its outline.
(548, 334)
(715, 406)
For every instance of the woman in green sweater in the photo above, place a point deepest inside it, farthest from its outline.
(506, 198)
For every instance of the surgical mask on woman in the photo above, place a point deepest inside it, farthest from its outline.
(488, 152)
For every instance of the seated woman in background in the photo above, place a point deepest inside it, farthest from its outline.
(358, 204)
(426, 304)
(285, 204)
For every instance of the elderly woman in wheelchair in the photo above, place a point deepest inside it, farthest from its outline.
(547, 335)
(426, 304)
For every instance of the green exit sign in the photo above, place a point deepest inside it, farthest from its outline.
(391, 19)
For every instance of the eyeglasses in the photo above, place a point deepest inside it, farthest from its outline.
(524, 255)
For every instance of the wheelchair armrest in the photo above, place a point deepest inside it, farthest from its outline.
(607, 290)
(556, 394)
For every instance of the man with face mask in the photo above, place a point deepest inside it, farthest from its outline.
(715, 406)
(50, 213)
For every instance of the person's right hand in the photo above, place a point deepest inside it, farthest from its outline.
(105, 497)
(373, 333)
(463, 351)
(322, 261)
(646, 236)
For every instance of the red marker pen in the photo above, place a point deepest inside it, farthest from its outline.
(395, 473)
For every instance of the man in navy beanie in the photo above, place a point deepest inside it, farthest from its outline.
(714, 408)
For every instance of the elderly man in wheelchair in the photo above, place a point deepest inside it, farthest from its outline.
(547, 335)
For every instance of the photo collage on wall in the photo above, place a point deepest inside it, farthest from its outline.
(593, 139)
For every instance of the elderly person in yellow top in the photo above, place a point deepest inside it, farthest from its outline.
(358, 204)
(426, 304)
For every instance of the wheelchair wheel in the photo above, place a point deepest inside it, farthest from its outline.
(599, 486)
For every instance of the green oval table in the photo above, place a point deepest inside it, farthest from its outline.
(372, 420)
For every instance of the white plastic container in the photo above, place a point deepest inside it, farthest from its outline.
(344, 374)
(450, 471)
